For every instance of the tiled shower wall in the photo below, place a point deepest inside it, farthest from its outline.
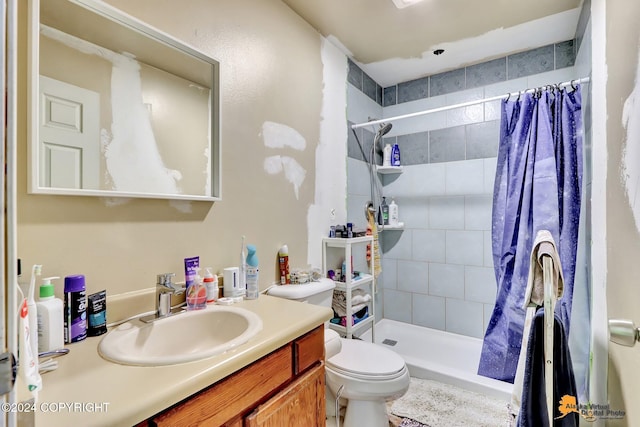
(438, 270)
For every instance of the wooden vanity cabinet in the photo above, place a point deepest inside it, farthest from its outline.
(284, 388)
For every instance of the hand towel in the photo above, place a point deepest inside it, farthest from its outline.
(372, 230)
(359, 299)
(543, 245)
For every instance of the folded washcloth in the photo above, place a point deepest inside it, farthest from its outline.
(359, 299)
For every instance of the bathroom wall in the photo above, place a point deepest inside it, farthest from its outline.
(271, 59)
(438, 271)
(617, 59)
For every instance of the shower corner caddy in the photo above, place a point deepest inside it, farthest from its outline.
(334, 251)
(385, 170)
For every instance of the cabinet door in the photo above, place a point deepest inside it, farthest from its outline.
(300, 404)
(235, 395)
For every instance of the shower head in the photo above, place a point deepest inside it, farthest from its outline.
(384, 129)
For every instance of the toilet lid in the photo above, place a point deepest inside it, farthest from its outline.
(363, 359)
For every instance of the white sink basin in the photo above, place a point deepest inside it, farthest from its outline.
(180, 338)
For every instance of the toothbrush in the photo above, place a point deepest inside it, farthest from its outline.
(242, 286)
(33, 309)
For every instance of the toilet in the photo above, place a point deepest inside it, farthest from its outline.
(366, 375)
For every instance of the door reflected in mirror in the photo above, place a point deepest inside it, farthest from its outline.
(121, 109)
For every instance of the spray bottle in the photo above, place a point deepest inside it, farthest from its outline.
(283, 261)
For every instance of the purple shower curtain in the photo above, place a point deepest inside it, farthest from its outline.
(537, 186)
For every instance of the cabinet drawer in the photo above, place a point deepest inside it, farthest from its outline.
(234, 395)
(308, 350)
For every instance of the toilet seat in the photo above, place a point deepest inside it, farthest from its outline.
(366, 361)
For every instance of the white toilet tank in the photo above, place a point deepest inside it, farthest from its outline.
(316, 293)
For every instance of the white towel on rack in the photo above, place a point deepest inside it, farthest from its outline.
(359, 300)
(534, 297)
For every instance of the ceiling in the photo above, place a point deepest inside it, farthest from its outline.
(394, 45)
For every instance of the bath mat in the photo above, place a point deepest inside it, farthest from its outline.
(442, 405)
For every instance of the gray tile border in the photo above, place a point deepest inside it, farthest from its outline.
(447, 145)
(413, 90)
(447, 82)
(486, 73)
(565, 54)
(369, 87)
(354, 75)
(414, 148)
(390, 96)
(482, 140)
(534, 61)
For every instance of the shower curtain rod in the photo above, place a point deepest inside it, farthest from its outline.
(463, 104)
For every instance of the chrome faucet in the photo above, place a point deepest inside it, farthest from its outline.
(165, 289)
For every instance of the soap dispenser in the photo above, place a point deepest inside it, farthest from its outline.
(50, 318)
(196, 294)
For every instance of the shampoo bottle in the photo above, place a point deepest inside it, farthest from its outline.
(75, 309)
(386, 155)
(385, 211)
(50, 318)
(252, 272)
(393, 213)
(395, 155)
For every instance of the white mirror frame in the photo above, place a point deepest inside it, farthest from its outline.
(124, 20)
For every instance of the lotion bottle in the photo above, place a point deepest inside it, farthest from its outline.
(211, 283)
(50, 318)
(395, 155)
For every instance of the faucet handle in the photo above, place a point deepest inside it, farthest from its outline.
(164, 279)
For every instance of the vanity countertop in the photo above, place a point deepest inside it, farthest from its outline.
(91, 391)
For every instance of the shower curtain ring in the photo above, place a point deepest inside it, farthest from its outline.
(573, 86)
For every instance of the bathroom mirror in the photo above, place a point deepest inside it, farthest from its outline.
(118, 108)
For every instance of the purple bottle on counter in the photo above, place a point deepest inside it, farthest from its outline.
(75, 309)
